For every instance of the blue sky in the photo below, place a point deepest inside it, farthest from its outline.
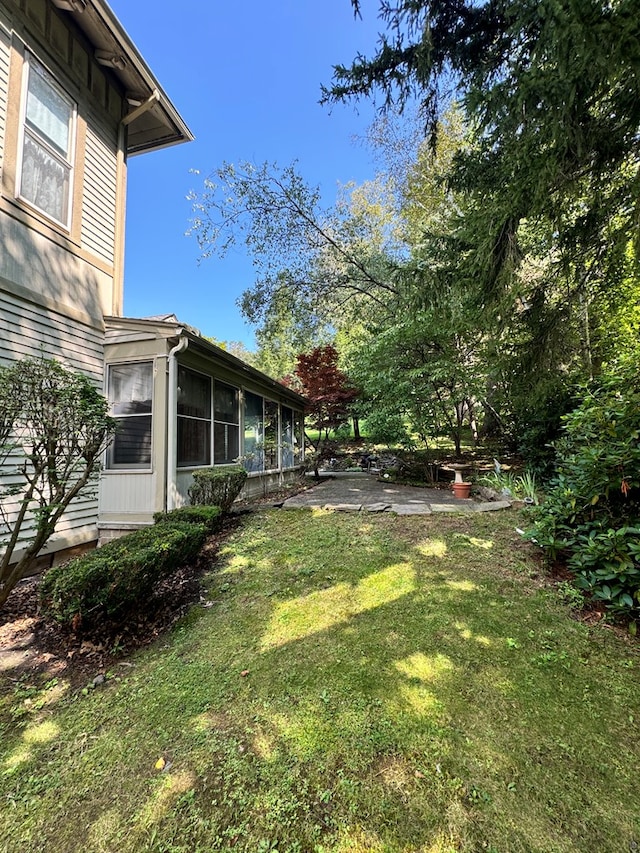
(246, 78)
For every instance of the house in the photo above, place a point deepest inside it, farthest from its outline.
(183, 403)
(76, 100)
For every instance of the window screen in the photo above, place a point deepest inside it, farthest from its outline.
(194, 418)
(130, 392)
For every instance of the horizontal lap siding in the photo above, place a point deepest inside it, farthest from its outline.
(4, 85)
(32, 330)
(99, 195)
(29, 329)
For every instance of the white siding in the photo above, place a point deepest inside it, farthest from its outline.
(99, 195)
(129, 497)
(4, 85)
(31, 330)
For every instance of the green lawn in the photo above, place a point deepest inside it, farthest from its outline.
(412, 685)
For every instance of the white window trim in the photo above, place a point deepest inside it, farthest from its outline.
(30, 59)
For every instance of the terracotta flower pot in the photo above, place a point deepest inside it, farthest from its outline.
(461, 490)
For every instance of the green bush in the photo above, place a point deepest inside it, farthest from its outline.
(209, 516)
(591, 516)
(218, 486)
(113, 579)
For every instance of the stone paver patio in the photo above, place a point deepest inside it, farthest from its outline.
(360, 492)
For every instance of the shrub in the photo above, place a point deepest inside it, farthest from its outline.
(115, 578)
(591, 516)
(218, 486)
(209, 516)
(387, 428)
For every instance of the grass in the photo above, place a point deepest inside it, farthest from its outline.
(356, 684)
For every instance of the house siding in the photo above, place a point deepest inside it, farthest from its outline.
(4, 84)
(98, 226)
(31, 329)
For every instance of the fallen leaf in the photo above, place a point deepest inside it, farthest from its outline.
(160, 763)
(244, 673)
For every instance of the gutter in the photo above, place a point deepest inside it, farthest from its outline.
(172, 425)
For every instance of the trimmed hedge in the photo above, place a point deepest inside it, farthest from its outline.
(115, 578)
(210, 516)
(218, 486)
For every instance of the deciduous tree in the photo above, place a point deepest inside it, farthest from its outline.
(54, 427)
(326, 387)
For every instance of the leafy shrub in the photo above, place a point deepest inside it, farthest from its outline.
(591, 515)
(209, 516)
(218, 486)
(386, 428)
(115, 578)
(521, 486)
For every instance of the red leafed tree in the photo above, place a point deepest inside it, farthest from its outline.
(326, 387)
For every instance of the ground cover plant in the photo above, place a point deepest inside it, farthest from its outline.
(351, 683)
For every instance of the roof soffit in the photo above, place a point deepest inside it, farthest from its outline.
(161, 125)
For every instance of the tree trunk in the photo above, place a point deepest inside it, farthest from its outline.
(356, 427)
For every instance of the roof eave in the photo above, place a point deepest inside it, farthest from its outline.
(105, 32)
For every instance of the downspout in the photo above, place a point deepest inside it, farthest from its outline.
(172, 426)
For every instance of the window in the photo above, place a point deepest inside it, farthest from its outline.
(47, 139)
(226, 424)
(298, 437)
(194, 418)
(253, 432)
(270, 435)
(288, 438)
(130, 398)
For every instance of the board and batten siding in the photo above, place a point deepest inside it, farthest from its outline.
(29, 329)
(98, 225)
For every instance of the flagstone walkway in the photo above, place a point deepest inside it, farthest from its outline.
(360, 492)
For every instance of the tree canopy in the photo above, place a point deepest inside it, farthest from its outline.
(490, 265)
(550, 92)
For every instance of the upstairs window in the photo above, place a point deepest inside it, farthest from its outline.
(48, 121)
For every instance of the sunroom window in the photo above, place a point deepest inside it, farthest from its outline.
(253, 432)
(288, 438)
(298, 437)
(47, 142)
(271, 455)
(194, 418)
(130, 388)
(226, 426)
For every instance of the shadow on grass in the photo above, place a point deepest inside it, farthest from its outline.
(352, 688)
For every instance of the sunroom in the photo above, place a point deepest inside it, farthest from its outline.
(182, 403)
